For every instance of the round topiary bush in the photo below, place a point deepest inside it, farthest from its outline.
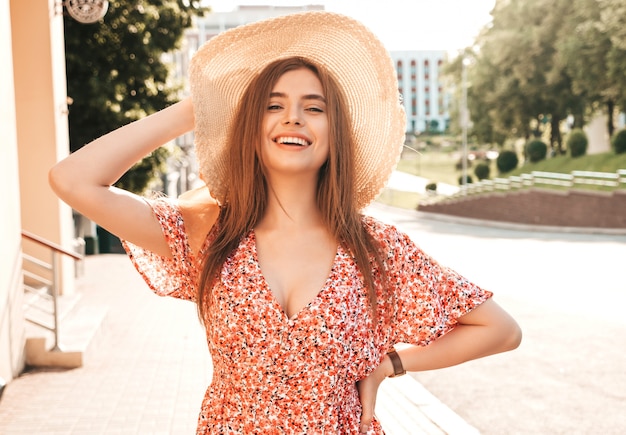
(431, 187)
(536, 151)
(468, 179)
(482, 171)
(507, 161)
(577, 143)
(619, 142)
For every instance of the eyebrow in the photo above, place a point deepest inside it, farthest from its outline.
(305, 97)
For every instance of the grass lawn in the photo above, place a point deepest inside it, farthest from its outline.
(396, 198)
(435, 166)
(605, 162)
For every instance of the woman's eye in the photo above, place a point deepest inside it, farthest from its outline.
(315, 109)
(274, 107)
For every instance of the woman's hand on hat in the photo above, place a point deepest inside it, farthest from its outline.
(368, 390)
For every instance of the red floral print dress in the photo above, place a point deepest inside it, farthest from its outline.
(278, 375)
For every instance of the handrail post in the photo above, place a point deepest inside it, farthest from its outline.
(55, 293)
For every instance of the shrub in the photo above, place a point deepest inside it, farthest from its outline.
(619, 142)
(431, 187)
(577, 143)
(507, 161)
(468, 179)
(482, 171)
(536, 151)
(459, 164)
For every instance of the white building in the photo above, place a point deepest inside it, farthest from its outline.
(425, 99)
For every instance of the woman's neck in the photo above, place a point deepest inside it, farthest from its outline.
(292, 203)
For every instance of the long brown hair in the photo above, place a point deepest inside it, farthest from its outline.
(246, 199)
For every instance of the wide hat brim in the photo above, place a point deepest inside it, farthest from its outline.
(223, 67)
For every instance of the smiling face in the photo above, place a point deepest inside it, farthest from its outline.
(295, 125)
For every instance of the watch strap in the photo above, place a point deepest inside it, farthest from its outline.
(398, 368)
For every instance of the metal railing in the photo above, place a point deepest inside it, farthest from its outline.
(42, 288)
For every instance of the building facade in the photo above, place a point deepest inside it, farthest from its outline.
(419, 81)
(34, 127)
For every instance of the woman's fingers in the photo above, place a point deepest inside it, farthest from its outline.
(368, 389)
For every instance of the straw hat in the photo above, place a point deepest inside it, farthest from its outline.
(223, 67)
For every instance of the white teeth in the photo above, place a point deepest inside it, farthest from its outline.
(293, 140)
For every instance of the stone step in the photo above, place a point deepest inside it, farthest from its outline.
(79, 333)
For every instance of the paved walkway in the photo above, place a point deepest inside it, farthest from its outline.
(148, 369)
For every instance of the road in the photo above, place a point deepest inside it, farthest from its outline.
(568, 292)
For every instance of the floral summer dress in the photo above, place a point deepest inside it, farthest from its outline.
(278, 375)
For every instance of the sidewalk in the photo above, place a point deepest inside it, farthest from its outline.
(149, 368)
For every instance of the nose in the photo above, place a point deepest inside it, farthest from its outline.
(292, 118)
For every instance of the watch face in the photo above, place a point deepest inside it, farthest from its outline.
(87, 11)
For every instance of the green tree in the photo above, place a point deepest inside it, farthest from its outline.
(612, 23)
(116, 73)
(528, 91)
(541, 61)
(584, 50)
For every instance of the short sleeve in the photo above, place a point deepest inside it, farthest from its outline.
(427, 298)
(176, 276)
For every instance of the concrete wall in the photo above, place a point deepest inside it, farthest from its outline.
(34, 133)
(576, 208)
(42, 125)
(11, 314)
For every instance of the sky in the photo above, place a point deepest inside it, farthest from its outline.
(402, 24)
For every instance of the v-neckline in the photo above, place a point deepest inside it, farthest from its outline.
(270, 293)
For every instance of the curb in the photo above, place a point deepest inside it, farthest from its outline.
(405, 407)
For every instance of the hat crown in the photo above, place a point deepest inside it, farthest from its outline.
(223, 68)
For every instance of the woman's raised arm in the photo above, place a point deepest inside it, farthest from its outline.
(84, 179)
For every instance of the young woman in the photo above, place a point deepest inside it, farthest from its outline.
(298, 125)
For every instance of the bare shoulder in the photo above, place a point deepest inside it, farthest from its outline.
(199, 211)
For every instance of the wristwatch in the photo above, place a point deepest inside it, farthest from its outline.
(398, 369)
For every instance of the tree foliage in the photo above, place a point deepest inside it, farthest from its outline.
(116, 73)
(540, 62)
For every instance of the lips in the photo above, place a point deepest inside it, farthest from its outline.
(292, 140)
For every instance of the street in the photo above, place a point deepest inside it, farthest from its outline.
(568, 292)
